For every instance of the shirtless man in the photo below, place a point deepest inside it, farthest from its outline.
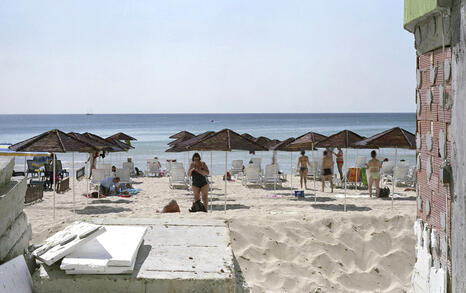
(303, 163)
(327, 164)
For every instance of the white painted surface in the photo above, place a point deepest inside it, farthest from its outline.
(54, 251)
(438, 281)
(117, 247)
(15, 276)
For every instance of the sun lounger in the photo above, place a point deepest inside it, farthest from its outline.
(178, 178)
(252, 176)
(271, 176)
(153, 167)
(236, 167)
(124, 175)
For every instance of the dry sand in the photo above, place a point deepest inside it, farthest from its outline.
(282, 244)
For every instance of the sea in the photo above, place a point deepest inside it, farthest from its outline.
(152, 132)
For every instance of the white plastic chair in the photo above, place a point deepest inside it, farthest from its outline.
(124, 175)
(271, 176)
(252, 175)
(130, 167)
(402, 173)
(153, 167)
(178, 178)
(105, 166)
(236, 167)
(98, 175)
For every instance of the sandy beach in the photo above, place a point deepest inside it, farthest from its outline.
(281, 243)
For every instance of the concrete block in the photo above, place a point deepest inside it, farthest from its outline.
(12, 235)
(11, 202)
(6, 169)
(433, 74)
(21, 245)
(427, 207)
(112, 252)
(418, 141)
(418, 78)
(429, 141)
(446, 70)
(177, 255)
(438, 280)
(15, 276)
(78, 233)
(443, 220)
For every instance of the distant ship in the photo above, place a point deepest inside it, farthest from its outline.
(89, 114)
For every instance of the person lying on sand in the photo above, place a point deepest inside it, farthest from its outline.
(171, 207)
(109, 185)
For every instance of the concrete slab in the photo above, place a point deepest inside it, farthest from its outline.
(11, 201)
(12, 235)
(20, 247)
(66, 241)
(6, 169)
(15, 276)
(177, 255)
(113, 252)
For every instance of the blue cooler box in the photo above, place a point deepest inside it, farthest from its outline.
(299, 193)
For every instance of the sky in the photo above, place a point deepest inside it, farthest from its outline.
(205, 56)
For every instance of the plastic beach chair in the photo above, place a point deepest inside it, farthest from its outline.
(178, 178)
(252, 176)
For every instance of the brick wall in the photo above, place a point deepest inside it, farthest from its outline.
(433, 124)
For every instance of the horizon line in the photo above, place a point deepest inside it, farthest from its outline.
(207, 113)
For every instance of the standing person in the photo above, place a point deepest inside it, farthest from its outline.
(198, 170)
(374, 166)
(327, 164)
(108, 185)
(92, 159)
(303, 163)
(339, 159)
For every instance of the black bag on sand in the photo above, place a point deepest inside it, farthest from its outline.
(384, 192)
(197, 206)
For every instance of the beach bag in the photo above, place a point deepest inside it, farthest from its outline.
(384, 192)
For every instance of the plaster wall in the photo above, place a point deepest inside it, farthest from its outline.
(458, 217)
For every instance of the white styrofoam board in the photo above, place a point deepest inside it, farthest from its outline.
(15, 276)
(117, 247)
(52, 251)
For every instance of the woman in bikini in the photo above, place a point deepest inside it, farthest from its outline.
(374, 166)
(339, 159)
(198, 171)
(303, 163)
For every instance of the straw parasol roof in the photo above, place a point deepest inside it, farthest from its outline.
(95, 143)
(122, 136)
(263, 141)
(306, 141)
(227, 140)
(101, 140)
(343, 139)
(184, 145)
(394, 137)
(284, 145)
(53, 141)
(182, 138)
(248, 136)
(273, 142)
(181, 134)
(120, 144)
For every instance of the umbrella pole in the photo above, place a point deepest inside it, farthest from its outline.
(394, 178)
(226, 159)
(25, 164)
(291, 172)
(74, 201)
(314, 169)
(346, 160)
(53, 187)
(211, 187)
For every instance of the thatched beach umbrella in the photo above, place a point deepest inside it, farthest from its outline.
(248, 136)
(263, 141)
(343, 139)
(102, 141)
(182, 138)
(181, 134)
(392, 138)
(273, 143)
(54, 141)
(227, 140)
(122, 136)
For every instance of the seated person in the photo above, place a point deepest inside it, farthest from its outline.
(171, 207)
(113, 170)
(109, 185)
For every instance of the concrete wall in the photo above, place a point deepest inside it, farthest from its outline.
(15, 232)
(458, 127)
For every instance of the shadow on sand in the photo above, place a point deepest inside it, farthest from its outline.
(95, 210)
(221, 207)
(340, 207)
